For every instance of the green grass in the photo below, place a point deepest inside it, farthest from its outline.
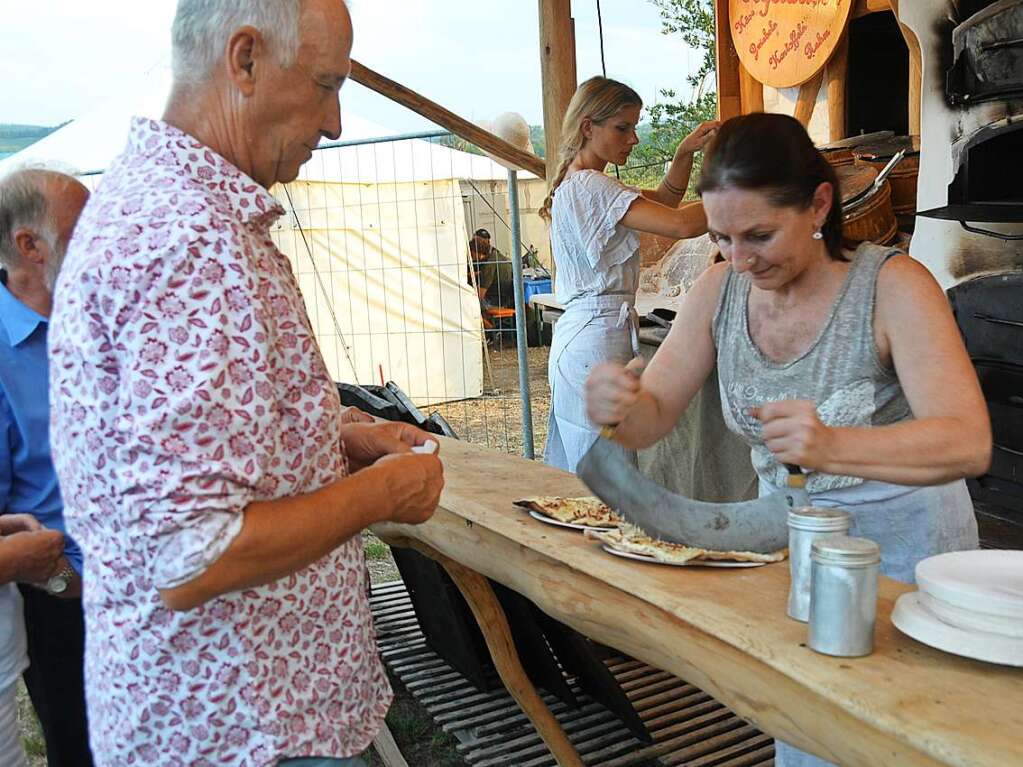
(31, 732)
(420, 741)
(375, 548)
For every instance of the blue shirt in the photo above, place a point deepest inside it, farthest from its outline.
(28, 482)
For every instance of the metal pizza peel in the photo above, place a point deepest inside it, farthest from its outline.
(760, 525)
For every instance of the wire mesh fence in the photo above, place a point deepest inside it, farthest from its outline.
(379, 232)
(402, 250)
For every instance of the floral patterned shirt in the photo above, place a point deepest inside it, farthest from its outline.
(185, 384)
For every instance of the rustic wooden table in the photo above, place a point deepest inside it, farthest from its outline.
(724, 630)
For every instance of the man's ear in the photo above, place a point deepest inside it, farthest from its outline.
(30, 245)
(245, 52)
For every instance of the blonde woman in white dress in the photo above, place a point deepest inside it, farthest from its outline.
(594, 224)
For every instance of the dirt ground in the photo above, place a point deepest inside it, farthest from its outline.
(495, 419)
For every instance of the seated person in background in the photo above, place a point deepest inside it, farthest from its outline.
(492, 272)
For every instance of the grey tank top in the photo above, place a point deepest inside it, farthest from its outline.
(841, 371)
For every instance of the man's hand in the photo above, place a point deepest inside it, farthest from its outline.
(367, 443)
(30, 557)
(415, 483)
(352, 414)
(19, 523)
(794, 433)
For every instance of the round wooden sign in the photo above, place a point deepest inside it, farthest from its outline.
(783, 43)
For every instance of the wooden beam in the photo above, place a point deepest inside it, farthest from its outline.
(865, 7)
(387, 749)
(436, 113)
(557, 71)
(807, 98)
(915, 71)
(751, 91)
(838, 75)
(727, 61)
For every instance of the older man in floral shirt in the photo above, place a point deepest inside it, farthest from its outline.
(208, 477)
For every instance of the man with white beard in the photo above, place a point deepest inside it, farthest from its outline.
(38, 212)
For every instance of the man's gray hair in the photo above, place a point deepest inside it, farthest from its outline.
(203, 27)
(22, 204)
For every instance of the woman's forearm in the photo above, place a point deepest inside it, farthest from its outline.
(673, 186)
(644, 425)
(929, 451)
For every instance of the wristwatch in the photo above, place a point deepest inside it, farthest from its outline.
(57, 583)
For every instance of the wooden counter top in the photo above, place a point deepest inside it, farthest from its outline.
(726, 631)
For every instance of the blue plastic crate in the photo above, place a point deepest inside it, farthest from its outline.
(536, 287)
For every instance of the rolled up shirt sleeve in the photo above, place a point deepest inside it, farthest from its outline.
(200, 415)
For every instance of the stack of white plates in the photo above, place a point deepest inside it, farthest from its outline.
(970, 603)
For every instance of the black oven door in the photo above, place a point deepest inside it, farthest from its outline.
(988, 50)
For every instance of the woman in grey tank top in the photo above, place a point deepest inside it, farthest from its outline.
(849, 365)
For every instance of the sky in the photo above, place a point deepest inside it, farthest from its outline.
(478, 58)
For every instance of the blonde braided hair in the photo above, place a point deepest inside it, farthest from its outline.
(598, 99)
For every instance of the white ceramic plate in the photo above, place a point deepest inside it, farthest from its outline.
(915, 620)
(690, 563)
(570, 525)
(986, 581)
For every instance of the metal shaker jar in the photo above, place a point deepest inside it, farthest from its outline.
(843, 596)
(806, 525)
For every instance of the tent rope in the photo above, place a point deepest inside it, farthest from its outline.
(323, 287)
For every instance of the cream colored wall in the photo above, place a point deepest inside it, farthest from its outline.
(783, 101)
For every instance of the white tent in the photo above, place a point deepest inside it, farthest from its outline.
(376, 233)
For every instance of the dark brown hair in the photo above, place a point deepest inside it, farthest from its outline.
(772, 153)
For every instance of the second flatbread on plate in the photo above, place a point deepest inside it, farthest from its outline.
(633, 540)
(587, 510)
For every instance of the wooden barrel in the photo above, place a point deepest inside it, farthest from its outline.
(903, 178)
(867, 213)
(838, 156)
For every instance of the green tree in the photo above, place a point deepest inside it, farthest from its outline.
(673, 117)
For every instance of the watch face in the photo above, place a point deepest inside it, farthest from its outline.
(57, 584)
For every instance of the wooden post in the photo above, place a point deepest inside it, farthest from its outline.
(557, 70)
(436, 113)
(838, 74)
(916, 73)
(494, 625)
(751, 91)
(807, 98)
(727, 61)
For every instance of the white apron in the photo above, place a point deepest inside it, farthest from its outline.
(586, 334)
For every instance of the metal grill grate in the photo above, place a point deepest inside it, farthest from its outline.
(688, 726)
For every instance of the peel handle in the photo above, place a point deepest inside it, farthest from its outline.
(797, 479)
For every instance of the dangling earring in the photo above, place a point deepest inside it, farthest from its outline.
(818, 235)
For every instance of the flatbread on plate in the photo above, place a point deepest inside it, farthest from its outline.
(587, 511)
(633, 540)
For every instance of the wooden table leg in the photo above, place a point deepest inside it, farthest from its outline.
(494, 625)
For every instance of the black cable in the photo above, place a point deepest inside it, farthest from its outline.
(603, 64)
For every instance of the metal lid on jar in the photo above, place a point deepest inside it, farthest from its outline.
(819, 520)
(845, 551)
